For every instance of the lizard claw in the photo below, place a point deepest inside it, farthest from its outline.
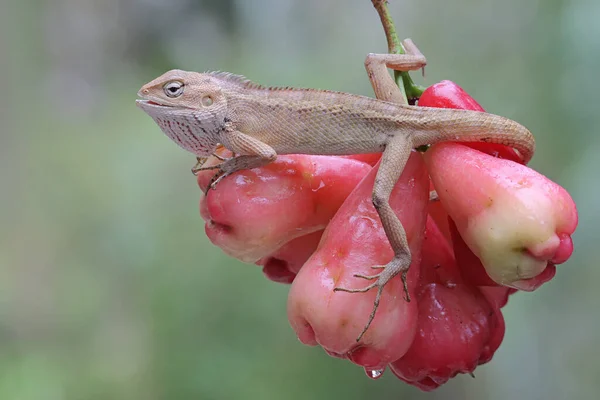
(395, 267)
(197, 169)
(215, 180)
(375, 303)
(199, 162)
(218, 157)
(199, 166)
(367, 277)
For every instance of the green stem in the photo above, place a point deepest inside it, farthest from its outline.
(409, 89)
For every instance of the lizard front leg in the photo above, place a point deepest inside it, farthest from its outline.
(392, 164)
(250, 153)
(200, 161)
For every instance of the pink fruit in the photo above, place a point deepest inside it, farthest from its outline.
(352, 243)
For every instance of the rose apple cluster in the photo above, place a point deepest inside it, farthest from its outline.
(498, 227)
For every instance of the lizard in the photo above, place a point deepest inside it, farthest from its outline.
(201, 111)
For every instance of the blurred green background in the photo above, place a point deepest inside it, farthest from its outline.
(109, 288)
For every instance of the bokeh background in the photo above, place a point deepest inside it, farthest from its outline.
(109, 288)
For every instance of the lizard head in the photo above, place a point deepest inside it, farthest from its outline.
(189, 107)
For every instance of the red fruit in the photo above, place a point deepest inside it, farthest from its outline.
(447, 94)
(353, 242)
(458, 327)
(515, 220)
(283, 265)
(253, 213)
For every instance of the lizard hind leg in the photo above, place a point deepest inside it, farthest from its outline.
(392, 164)
(383, 84)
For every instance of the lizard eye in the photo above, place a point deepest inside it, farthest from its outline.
(207, 101)
(173, 88)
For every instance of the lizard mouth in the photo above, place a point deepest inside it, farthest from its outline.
(144, 102)
(151, 104)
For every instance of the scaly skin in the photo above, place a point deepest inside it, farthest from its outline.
(198, 111)
(308, 121)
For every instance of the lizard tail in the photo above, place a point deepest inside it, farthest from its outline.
(450, 125)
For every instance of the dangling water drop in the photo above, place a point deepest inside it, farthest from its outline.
(374, 373)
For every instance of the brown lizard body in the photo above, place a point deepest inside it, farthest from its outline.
(309, 121)
(199, 111)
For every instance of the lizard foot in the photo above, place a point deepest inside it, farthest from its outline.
(393, 268)
(201, 160)
(218, 157)
(197, 169)
(214, 181)
(198, 166)
(233, 164)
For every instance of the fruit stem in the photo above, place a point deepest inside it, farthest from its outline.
(409, 89)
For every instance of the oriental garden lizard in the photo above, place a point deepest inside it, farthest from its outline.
(200, 111)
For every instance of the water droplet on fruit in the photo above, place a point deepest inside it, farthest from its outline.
(374, 373)
(321, 186)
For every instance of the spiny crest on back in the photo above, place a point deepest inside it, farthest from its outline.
(234, 80)
(241, 81)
